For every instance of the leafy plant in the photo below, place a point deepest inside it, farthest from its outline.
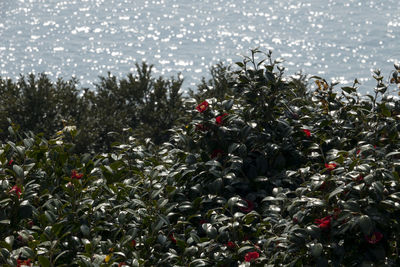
(265, 170)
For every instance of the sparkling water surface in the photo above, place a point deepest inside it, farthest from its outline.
(336, 39)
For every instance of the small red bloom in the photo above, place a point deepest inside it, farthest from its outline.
(10, 162)
(307, 132)
(231, 245)
(219, 119)
(21, 263)
(202, 106)
(76, 175)
(171, 236)
(250, 206)
(358, 152)
(330, 166)
(15, 189)
(359, 178)
(217, 153)
(324, 223)
(374, 238)
(251, 256)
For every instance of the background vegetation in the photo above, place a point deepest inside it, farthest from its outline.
(254, 168)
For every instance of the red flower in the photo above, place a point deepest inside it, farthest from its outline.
(330, 166)
(15, 189)
(374, 238)
(231, 245)
(219, 119)
(251, 256)
(324, 223)
(21, 263)
(171, 236)
(217, 153)
(202, 106)
(359, 178)
(307, 132)
(10, 162)
(76, 175)
(358, 151)
(250, 206)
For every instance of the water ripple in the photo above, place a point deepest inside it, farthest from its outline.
(86, 38)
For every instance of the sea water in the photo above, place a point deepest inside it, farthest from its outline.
(337, 39)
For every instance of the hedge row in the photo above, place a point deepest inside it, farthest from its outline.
(264, 171)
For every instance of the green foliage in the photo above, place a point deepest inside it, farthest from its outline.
(264, 171)
(146, 105)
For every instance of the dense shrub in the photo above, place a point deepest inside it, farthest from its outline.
(264, 170)
(147, 105)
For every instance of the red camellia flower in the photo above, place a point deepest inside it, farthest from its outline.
(76, 175)
(307, 132)
(171, 236)
(374, 238)
(330, 166)
(21, 263)
(324, 223)
(231, 245)
(250, 206)
(359, 178)
(16, 190)
(202, 106)
(251, 256)
(219, 119)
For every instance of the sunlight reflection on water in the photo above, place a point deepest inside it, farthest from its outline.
(336, 39)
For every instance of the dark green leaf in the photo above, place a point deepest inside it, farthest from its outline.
(44, 261)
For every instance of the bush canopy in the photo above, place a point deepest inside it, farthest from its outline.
(253, 168)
